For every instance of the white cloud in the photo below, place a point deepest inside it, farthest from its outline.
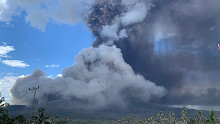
(50, 76)
(15, 63)
(40, 12)
(5, 85)
(52, 66)
(4, 50)
(4, 11)
(11, 74)
(59, 75)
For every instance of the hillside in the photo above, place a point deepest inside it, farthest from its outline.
(64, 109)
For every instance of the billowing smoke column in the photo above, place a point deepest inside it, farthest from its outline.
(99, 77)
(110, 19)
(171, 43)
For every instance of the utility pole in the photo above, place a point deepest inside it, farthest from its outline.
(33, 89)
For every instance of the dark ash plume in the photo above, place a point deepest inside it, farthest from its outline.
(109, 19)
(171, 43)
(175, 45)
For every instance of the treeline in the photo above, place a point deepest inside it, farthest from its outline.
(42, 117)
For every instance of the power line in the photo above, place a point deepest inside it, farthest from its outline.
(35, 90)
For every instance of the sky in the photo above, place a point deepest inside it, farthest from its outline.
(171, 47)
(41, 37)
(50, 50)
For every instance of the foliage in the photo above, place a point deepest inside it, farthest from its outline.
(199, 117)
(65, 121)
(20, 119)
(171, 119)
(5, 119)
(3, 105)
(211, 117)
(185, 117)
(42, 117)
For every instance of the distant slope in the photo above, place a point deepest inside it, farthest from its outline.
(64, 109)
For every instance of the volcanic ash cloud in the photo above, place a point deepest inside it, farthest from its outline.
(99, 77)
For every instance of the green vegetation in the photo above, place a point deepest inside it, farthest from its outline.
(42, 117)
(3, 105)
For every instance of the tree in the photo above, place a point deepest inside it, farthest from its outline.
(199, 117)
(3, 105)
(185, 117)
(20, 119)
(4, 118)
(41, 117)
(211, 119)
(173, 117)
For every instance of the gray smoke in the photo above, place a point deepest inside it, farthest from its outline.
(175, 45)
(171, 43)
(99, 77)
(109, 19)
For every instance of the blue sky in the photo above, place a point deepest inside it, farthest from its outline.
(56, 46)
(33, 36)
